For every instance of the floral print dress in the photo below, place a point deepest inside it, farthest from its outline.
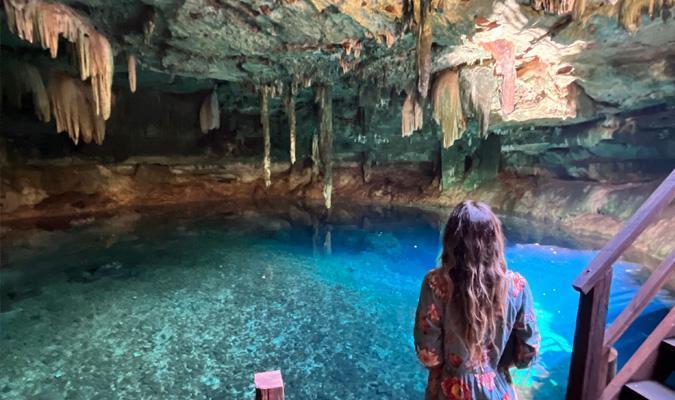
(439, 345)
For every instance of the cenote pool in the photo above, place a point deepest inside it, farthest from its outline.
(189, 304)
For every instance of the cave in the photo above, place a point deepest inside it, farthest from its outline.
(194, 192)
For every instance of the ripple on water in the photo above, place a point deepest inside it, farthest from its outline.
(192, 307)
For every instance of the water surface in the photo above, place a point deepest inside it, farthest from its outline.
(191, 304)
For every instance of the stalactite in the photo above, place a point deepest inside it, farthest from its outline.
(324, 98)
(209, 113)
(344, 64)
(424, 40)
(131, 64)
(503, 52)
(554, 6)
(389, 39)
(289, 105)
(20, 78)
(73, 107)
(631, 11)
(265, 122)
(316, 158)
(37, 20)
(579, 9)
(478, 85)
(149, 27)
(411, 114)
(447, 106)
(417, 18)
(411, 13)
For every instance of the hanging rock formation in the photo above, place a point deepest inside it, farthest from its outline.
(19, 78)
(412, 115)
(289, 105)
(43, 22)
(265, 123)
(631, 11)
(447, 106)
(554, 6)
(131, 65)
(424, 41)
(503, 52)
(74, 109)
(374, 42)
(478, 86)
(325, 100)
(209, 113)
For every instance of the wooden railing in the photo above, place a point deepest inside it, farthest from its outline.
(589, 369)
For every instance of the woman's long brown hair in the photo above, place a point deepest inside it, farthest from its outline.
(473, 258)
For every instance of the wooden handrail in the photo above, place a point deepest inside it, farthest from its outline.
(651, 208)
(648, 290)
(591, 351)
(641, 364)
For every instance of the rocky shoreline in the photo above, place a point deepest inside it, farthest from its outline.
(589, 211)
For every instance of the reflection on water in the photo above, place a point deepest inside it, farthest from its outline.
(189, 304)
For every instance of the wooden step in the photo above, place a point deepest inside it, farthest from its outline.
(665, 364)
(646, 390)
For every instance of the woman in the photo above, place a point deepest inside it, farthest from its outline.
(475, 317)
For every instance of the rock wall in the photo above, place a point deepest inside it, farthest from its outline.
(588, 177)
(626, 147)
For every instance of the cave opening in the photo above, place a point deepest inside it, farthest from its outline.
(196, 192)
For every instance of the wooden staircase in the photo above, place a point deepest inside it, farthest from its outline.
(661, 383)
(649, 373)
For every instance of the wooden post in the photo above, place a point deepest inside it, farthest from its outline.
(265, 122)
(588, 368)
(612, 367)
(269, 386)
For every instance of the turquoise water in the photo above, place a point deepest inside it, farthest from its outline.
(191, 304)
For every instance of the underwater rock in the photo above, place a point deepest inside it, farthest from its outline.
(113, 270)
(382, 243)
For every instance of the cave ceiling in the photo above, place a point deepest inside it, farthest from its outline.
(568, 69)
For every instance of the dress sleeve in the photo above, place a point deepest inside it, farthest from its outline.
(525, 330)
(428, 324)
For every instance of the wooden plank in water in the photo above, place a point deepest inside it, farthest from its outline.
(269, 385)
